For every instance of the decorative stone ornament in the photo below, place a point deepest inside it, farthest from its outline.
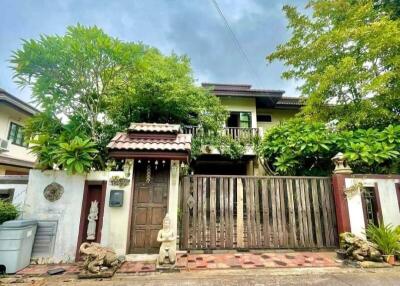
(341, 166)
(167, 255)
(53, 192)
(92, 218)
(353, 190)
(100, 262)
(119, 181)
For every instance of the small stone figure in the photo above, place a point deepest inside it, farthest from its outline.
(167, 255)
(92, 218)
(359, 249)
(99, 260)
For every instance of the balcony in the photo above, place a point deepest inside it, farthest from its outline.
(233, 132)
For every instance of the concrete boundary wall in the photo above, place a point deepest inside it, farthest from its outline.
(67, 211)
(349, 200)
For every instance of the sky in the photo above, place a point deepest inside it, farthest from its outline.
(190, 27)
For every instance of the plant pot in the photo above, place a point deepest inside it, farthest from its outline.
(389, 259)
(341, 254)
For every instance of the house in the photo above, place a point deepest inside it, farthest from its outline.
(15, 158)
(251, 113)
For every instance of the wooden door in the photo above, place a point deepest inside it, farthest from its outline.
(149, 206)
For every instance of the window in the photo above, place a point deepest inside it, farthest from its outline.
(6, 195)
(239, 119)
(15, 134)
(245, 119)
(370, 205)
(264, 118)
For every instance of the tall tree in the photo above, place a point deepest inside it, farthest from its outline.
(345, 53)
(90, 85)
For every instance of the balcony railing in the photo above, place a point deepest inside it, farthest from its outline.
(233, 132)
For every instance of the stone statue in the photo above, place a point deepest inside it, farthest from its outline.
(98, 258)
(92, 218)
(359, 249)
(167, 255)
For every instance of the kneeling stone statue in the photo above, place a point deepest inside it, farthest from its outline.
(167, 256)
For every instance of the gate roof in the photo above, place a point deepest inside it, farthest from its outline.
(151, 140)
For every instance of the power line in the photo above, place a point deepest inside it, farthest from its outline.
(236, 40)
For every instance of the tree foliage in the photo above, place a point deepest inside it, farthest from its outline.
(345, 53)
(90, 85)
(300, 148)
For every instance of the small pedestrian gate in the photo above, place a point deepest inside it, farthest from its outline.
(245, 212)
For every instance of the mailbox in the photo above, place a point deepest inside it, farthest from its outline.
(116, 198)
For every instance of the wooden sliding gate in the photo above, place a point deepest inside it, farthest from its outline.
(245, 212)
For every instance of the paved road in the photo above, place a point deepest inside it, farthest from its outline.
(296, 277)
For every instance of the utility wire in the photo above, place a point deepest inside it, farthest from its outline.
(236, 40)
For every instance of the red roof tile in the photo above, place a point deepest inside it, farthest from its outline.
(122, 141)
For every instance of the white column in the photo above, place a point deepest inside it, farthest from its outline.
(173, 198)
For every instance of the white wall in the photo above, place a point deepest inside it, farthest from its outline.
(19, 184)
(67, 211)
(388, 202)
(8, 115)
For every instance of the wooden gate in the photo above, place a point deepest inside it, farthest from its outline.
(244, 212)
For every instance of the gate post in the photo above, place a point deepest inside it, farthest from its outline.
(173, 196)
(338, 183)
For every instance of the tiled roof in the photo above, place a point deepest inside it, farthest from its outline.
(154, 127)
(290, 101)
(123, 141)
(16, 102)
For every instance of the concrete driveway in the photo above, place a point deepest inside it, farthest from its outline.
(256, 277)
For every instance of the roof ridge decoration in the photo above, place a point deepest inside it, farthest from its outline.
(145, 127)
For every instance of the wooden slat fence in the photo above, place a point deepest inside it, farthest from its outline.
(245, 212)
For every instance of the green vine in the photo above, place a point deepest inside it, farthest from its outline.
(227, 146)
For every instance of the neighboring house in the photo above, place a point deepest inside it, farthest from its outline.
(15, 158)
(251, 113)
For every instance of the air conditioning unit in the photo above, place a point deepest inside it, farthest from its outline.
(3, 145)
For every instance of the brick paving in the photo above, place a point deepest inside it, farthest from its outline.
(192, 262)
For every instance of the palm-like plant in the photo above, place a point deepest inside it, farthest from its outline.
(385, 237)
(76, 156)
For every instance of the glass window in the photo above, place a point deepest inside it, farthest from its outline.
(245, 119)
(16, 135)
(264, 118)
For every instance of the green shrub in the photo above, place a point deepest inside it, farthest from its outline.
(298, 147)
(385, 237)
(7, 211)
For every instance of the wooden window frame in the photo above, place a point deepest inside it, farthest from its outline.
(397, 185)
(377, 205)
(19, 128)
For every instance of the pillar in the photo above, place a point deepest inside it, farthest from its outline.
(173, 198)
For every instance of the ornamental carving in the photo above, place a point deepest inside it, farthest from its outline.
(53, 192)
(354, 189)
(119, 181)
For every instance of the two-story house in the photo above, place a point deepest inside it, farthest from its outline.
(15, 158)
(251, 113)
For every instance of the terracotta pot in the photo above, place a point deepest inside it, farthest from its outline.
(389, 259)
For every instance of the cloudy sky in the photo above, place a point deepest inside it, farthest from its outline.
(191, 27)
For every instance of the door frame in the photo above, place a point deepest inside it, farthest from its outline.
(83, 218)
(132, 202)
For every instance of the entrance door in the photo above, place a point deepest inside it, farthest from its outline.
(149, 206)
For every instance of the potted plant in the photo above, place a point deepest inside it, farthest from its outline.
(7, 211)
(386, 239)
